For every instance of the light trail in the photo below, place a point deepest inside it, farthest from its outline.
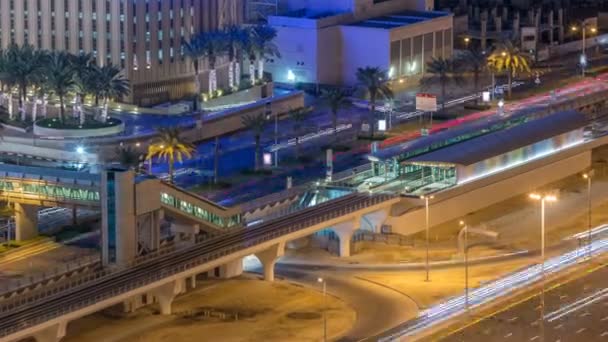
(579, 304)
(501, 287)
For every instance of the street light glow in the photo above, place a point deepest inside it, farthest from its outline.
(548, 198)
(80, 150)
(319, 280)
(574, 28)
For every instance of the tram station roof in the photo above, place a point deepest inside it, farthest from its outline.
(450, 136)
(494, 144)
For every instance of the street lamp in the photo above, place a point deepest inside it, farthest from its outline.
(584, 25)
(426, 206)
(276, 131)
(543, 198)
(321, 280)
(588, 177)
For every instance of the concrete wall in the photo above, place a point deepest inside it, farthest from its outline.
(456, 203)
(363, 46)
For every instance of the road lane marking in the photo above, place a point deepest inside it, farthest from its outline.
(558, 326)
(605, 319)
(580, 330)
(605, 333)
(508, 335)
(534, 338)
(515, 319)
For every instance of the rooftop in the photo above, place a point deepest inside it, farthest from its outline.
(399, 20)
(494, 144)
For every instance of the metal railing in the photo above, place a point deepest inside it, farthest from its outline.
(150, 277)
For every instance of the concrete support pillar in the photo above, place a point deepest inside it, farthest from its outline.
(531, 17)
(268, 258)
(232, 269)
(26, 221)
(498, 22)
(345, 233)
(165, 294)
(374, 221)
(53, 333)
(505, 14)
(560, 24)
(193, 281)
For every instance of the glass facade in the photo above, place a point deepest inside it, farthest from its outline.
(203, 214)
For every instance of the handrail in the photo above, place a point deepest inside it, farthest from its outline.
(331, 213)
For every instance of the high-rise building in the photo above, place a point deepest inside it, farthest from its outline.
(145, 37)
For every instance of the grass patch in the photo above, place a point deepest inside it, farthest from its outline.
(71, 123)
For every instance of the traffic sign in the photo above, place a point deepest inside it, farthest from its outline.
(426, 102)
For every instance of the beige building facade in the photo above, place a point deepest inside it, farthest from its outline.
(144, 37)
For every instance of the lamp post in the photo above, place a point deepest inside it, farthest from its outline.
(427, 219)
(321, 280)
(584, 26)
(276, 131)
(466, 265)
(588, 177)
(543, 199)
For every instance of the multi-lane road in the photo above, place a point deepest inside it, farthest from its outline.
(574, 311)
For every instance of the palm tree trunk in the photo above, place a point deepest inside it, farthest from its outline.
(261, 68)
(334, 119)
(237, 73)
(171, 161)
(252, 71)
(61, 109)
(212, 77)
(11, 114)
(35, 108)
(231, 74)
(45, 102)
(257, 152)
(104, 114)
(510, 81)
(372, 117)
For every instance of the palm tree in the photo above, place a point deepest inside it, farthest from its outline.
(194, 50)
(476, 62)
(128, 157)
(212, 45)
(25, 65)
(442, 71)
(376, 82)
(510, 59)
(112, 85)
(4, 75)
(335, 98)
(235, 39)
(262, 36)
(256, 124)
(60, 79)
(298, 116)
(169, 148)
(82, 65)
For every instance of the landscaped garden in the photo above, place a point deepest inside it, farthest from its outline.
(40, 88)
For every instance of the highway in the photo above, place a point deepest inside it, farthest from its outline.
(41, 308)
(574, 311)
(456, 306)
